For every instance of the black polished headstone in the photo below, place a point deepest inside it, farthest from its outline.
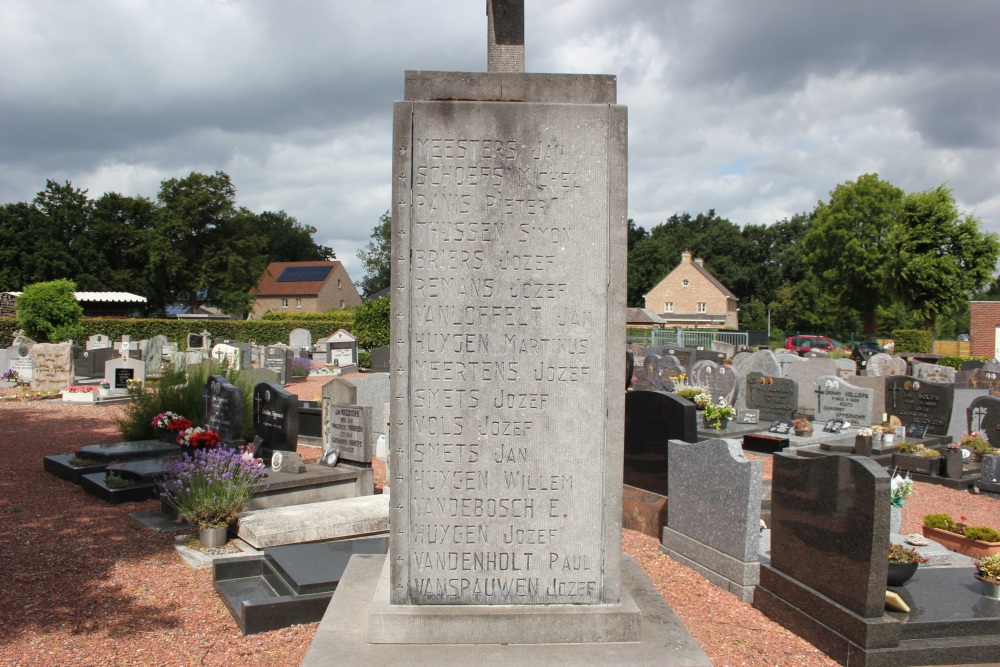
(222, 408)
(652, 418)
(278, 358)
(983, 415)
(275, 419)
(775, 397)
(911, 399)
(830, 527)
(380, 359)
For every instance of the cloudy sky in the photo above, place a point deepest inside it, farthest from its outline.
(756, 109)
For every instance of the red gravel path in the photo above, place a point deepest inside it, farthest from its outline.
(86, 585)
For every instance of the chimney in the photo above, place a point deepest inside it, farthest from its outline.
(700, 261)
(686, 257)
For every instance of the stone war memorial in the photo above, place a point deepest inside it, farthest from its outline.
(507, 408)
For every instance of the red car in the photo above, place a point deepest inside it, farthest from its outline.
(804, 344)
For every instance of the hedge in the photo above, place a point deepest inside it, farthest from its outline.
(913, 340)
(262, 332)
(956, 362)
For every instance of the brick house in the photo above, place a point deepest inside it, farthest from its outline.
(690, 296)
(984, 333)
(304, 287)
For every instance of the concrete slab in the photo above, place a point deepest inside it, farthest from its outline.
(328, 520)
(342, 637)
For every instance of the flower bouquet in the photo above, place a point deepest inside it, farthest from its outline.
(197, 437)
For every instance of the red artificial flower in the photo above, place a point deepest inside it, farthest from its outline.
(205, 439)
(181, 424)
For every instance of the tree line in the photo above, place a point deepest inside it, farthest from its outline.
(192, 245)
(870, 259)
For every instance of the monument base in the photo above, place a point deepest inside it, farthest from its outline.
(662, 639)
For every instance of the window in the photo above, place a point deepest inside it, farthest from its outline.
(685, 282)
(338, 283)
(298, 303)
(702, 307)
(284, 303)
(343, 304)
(668, 307)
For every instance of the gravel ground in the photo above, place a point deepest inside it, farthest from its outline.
(87, 585)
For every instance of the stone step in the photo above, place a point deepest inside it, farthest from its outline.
(313, 522)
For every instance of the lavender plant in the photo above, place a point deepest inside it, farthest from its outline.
(211, 487)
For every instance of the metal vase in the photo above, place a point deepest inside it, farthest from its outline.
(991, 589)
(212, 538)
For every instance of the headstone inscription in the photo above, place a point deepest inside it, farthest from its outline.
(934, 372)
(275, 420)
(881, 364)
(773, 397)
(228, 355)
(529, 352)
(98, 341)
(119, 370)
(19, 359)
(983, 415)
(300, 339)
(278, 358)
(908, 400)
(51, 366)
(347, 426)
(979, 378)
(342, 349)
(222, 409)
(838, 400)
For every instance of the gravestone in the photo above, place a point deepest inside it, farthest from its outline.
(763, 362)
(199, 341)
(380, 359)
(300, 339)
(786, 359)
(741, 360)
(342, 349)
(909, 400)
(487, 344)
(882, 365)
(278, 358)
(934, 372)
(806, 375)
(720, 381)
(152, 354)
(229, 355)
(347, 425)
(51, 366)
(685, 356)
(98, 341)
(652, 419)
(839, 400)
(119, 370)
(727, 349)
(713, 519)
(19, 359)
(90, 363)
(983, 415)
(845, 368)
(222, 409)
(245, 358)
(4, 366)
(989, 474)
(992, 365)
(774, 397)
(275, 420)
(663, 371)
(710, 355)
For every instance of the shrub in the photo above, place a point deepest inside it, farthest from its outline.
(984, 533)
(940, 521)
(49, 312)
(371, 323)
(912, 340)
(364, 359)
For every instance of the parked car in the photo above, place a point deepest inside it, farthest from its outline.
(805, 344)
(964, 338)
(871, 347)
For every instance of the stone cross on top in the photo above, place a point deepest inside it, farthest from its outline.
(505, 49)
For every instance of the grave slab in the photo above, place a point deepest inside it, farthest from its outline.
(96, 484)
(315, 522)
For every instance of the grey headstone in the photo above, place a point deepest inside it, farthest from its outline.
(807, 375)
(741, 360)
(347, 425)
(4, 366)
(19, 359)
(882, 365)
(786, 360)
(278, 358)
(720, 381)
(846, 368)
(152, 354)
(119, 370)
(342, 349)
(98, 341)
(992, 365)
(300, 338)
(934, 372)
(960, 411)
(222, 408)
(837, 399)
(727, 349)
(287, 462)
(774, 397)
(763, 362)
(990, 471)
(51, 366)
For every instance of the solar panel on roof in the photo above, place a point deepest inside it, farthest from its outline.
(296, 274)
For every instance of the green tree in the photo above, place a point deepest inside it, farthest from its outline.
(376, 258)
(289, 241)
(49, 312)
(371, 323)
(941, 257)
(847, 244)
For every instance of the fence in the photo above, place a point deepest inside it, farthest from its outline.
(691, 338)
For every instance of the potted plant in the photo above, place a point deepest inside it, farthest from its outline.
(78, 394)
(978, 443)
(903, 564)
(10, 378)
(888, 435)
(972, 541)
(988, 573)
(914, 457)
(687, 391)
(718, 416)
(702, 400)
(803, 427)
(876, 433)
(103, 388)
(210, 488)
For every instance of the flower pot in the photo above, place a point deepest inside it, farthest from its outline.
(991, 589)
(166, 435)
(723, 423)
(888, 438)
(877, 437)
(917, 464)
(900, 573)
(803, 433)
(212, 537)
(961, 544)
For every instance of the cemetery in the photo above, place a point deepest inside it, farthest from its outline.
(491, 490)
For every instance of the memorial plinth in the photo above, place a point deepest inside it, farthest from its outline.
(509, 224)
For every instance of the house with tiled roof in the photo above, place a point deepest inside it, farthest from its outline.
(690, 296)
(304, 287)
